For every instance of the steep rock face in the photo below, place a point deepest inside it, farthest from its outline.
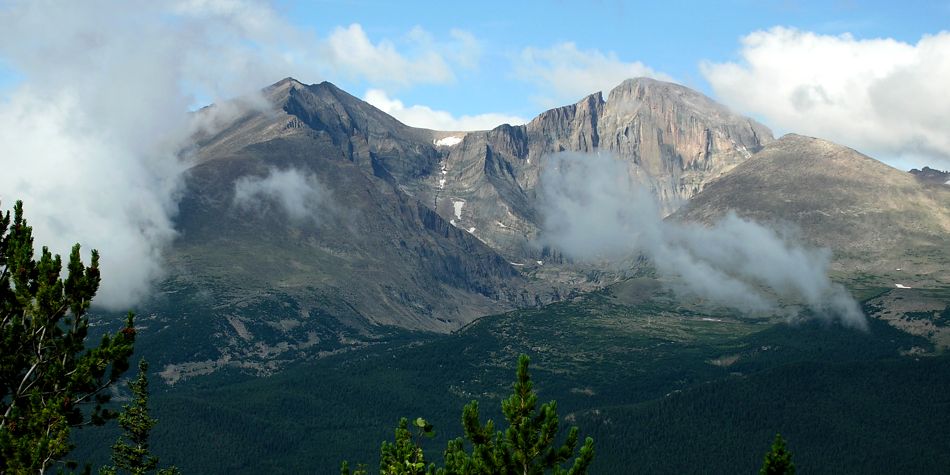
(328, 250)
(874, 217)
(363, 134)
(675, 141)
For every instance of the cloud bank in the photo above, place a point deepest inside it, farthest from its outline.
(564, 74)
(91, 135)
(883, 97)
(298, 195)
(592, 210)
(428, 118)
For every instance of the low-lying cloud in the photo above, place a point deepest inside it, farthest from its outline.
(593, 210)
(299, 195)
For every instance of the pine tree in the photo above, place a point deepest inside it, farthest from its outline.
(527, 447)
(47, 372)
(131, 452)
(405, 456)
(528, 444)
(778, 461)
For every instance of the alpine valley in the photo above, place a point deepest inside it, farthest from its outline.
(335, 267)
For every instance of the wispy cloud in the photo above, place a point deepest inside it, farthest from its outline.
(593, 210)
(297, 194)
(564, 73)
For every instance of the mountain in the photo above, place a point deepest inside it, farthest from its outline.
(874, 218)
(326, 251)
(312, 222)
(674, 139)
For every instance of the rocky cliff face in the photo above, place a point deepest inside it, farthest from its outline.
(674, 140)
(874, 218)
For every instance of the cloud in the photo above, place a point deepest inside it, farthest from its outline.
(565, 74)
(350, 52)
(299, 195)
(91, 134)
(428, 118)
(593, 210)
(881, 96)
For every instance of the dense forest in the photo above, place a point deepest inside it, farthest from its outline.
(676, 394)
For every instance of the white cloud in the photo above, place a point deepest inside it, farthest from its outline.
(91, 133)
(565, 74)
(881, 96)
(299, 195)
(349, 51)
(592, 209)
(428, 118)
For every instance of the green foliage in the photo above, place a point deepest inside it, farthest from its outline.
(130, 454)
(778, 461)
(345, 469)
(526, 447)
(47, 373)
(639, 380)
(405, 456)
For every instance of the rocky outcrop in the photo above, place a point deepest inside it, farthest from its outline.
(932, 176)
(674, 139)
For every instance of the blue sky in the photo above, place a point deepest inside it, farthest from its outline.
(868, 74)
(670, 37)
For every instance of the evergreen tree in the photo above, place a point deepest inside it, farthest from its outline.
(131, 453)
(778, 461)
(47, 372)
(527, 445)
(404, 456)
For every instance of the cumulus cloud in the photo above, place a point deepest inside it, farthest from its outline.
(349, 51)
(92, 133)
(299, 195)
(564, 73)
(428, 118)
(593, 210)
(884, 97)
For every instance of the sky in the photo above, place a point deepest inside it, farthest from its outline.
(809, 67)
(97, 97)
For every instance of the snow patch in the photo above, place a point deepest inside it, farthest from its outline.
(540, 263)
(447, 141)
(516, 264)
(458, 205)
(744, 151)
(707, 319)
(471, 230)
(442, 184)
(947, 183)
(452, 222)
(500, 224)
(901, 286)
